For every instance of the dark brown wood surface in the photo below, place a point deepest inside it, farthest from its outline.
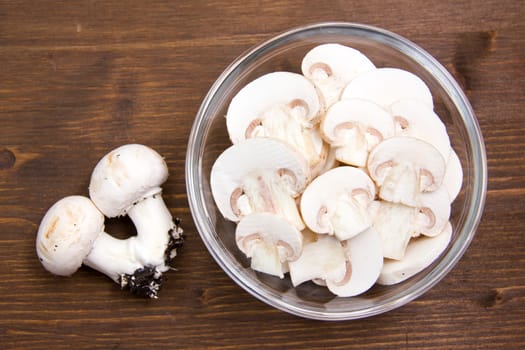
(78, 78)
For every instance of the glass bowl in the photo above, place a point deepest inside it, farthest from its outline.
(209, 137)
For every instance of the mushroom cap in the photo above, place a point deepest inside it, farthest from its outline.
(355, 126)
(453, 178)
(415, 118)
(420, 253)
(269, 240)
(125, 176)
(321, 259)
(412, 155)
(253, 158)
(385, 86)
(365, 256)
(338, 196)
(332, 66)
(67, 233)
(290, 91)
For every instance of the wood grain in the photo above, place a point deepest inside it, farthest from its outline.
(80, 78)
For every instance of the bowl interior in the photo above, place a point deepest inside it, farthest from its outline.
(284, 53)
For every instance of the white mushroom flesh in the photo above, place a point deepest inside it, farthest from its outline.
(259, 175)
(332, 66)
(269, 241)
(280, 105)
(420, 253)
(396, 224)
(364, 262)
(336, 202)
(354, 127)
(404, 167)
(323, 259)
(433, 212)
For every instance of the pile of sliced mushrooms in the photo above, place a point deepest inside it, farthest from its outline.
(343, 175)
(126, 181)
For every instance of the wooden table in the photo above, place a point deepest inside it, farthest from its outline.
(80, 78)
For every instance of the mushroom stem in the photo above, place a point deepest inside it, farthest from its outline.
(111, 256)
(155, 229)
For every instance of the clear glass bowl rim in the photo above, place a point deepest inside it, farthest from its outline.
(476, 147)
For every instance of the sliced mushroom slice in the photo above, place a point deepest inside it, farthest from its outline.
(416, 119)
(453, 178)
(281, 105)
(353, 127)
(385, 86)
(420, 253)
(364, 255)
(270, 241)
(328, 162)
(403, 167)
(396, 224)
(259, 175)
(332, 66)
(433, 212)
(336, 202)
(323, 259)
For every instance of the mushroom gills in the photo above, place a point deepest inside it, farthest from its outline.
(420, 253)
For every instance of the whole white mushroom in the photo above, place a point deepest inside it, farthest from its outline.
(127, 181)
(71, 233)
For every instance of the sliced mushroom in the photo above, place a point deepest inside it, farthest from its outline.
(323, 259)
(453, 178)
(433, 212)
(329, 162)
(364, 263)
(332, 66)
(420, 253)
(353, 127)
(416, 119)
(336, 202)
(259, 175)
(270, 241)
(280, 105)
(396, 224)
(385, 86)
(403, 167)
